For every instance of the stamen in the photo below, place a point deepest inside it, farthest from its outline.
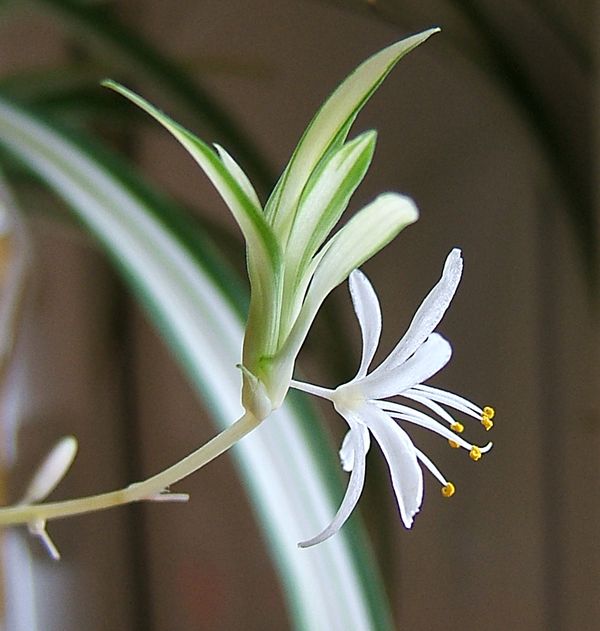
(486, 417)
(475, 453)
(453, 444)
(457, 427)
(428, 403)
(404, 413)
(432, 468)
(448, 490)
(450, 399)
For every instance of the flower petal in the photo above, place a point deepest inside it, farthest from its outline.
(368, 312)
(348, 451)
(431, 356)
(430, 312)
(401, 456)
(355, 484)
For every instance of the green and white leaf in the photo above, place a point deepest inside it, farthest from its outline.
(325, 199)
(370, 230)
(323, 202)
(329, 128)
(331, 587)
(238, 175)
(264, 254)
(16, 266)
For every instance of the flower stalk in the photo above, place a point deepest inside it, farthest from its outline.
(293, 260)
(154, 488)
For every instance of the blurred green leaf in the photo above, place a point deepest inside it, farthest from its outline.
(130, 52)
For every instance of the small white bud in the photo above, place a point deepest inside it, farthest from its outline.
(51, 471)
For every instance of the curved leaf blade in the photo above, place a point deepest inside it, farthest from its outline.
(330, 126)
(371, 229)
(264, 254)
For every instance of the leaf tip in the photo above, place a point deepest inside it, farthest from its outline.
(402, 206)
(418, 38)
(111, 84)
(427, 33)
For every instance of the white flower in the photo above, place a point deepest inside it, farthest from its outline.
(362, 402)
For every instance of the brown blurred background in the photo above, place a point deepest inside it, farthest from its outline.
(511, 184)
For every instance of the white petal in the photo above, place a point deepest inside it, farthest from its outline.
(431, 356)
(368, 313)
(355, 485)
(347, 450)
(430, 312)
(400, 453)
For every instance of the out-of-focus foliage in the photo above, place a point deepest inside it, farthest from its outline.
(540, 58)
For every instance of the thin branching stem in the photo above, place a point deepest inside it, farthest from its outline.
(139, 491)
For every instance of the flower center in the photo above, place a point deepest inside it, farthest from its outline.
(348, 396)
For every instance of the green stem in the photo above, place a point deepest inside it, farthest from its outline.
(138, 491)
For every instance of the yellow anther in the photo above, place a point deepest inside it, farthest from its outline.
(448, 490)
(489, 412)
(475, 453)
(459, 428)
(453, 444)
(487, 422)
